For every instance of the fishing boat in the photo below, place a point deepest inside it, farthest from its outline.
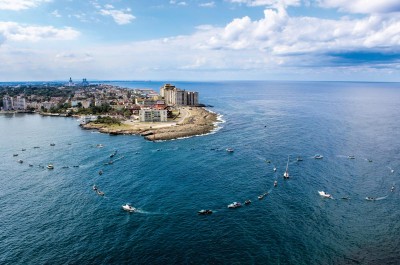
(204, 212)
(286, 174)
(127, 207)
(324, 194)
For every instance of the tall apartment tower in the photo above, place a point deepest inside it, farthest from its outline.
(8, 103)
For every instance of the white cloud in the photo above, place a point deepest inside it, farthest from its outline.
(179, 3)
(121, 17)
(208, 4)
(279, 34)
(56, 13)
(72, 57)
(363, 6)
(16, 5)
(18, 32)
(271, 3)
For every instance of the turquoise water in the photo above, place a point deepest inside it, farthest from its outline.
(54, 216)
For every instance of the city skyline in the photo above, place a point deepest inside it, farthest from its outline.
(200, 40)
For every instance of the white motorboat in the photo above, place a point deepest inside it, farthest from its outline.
(205, 212)
(318, 156)
(235, 205)
(229, 150)
(274, 169)
(324, 194)
(286, 174)
(50, 166)
(370, 198)
(127, 207)
(275, 183)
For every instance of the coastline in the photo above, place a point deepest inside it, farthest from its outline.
(192, 121)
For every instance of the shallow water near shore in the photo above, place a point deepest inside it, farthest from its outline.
(54, 216)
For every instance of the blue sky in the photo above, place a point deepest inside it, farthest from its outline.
(200, 40)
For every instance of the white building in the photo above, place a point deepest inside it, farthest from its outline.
(152, 115)
(8, 103)
(20, 103)
(176, 96)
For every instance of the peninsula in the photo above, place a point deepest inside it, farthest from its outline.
(173, 113)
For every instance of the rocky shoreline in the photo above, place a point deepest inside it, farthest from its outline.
(197, 121)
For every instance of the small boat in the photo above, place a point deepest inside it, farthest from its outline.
(235, 205)
(114, 153)
(204, 212)
(76, 166)
(23, 149)
(370, 160)
(99, 192)
(20, 161)
(351, 157)
(274, 169)
(275, 183)
(392, 189)
(65, 167)
(345, 198)
(101, 172)
(50, 166)
(30, 165)
(370, 198)
(127, 207)
(36, 147)
(318, 156)
(299, 158)
(99, 146)
(229, 150)
(52, 144)
(286, 174)
(267, 161)
(247, 202)
(94, 187)
(324, 194)
(15, 154)
(260, 197)
(392, 171)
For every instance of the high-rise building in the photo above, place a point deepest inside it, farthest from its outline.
(20, 103)
(176, 96)
(8, 103)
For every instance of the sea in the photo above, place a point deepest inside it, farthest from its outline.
(55, 217)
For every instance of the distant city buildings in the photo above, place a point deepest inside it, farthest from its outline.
(175, 96)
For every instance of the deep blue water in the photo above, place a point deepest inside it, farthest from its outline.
(54, 217)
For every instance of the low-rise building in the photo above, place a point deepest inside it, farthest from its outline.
(152, 115)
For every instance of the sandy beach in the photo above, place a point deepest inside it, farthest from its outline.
(191, 121)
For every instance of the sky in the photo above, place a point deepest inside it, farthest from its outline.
(200, 40)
